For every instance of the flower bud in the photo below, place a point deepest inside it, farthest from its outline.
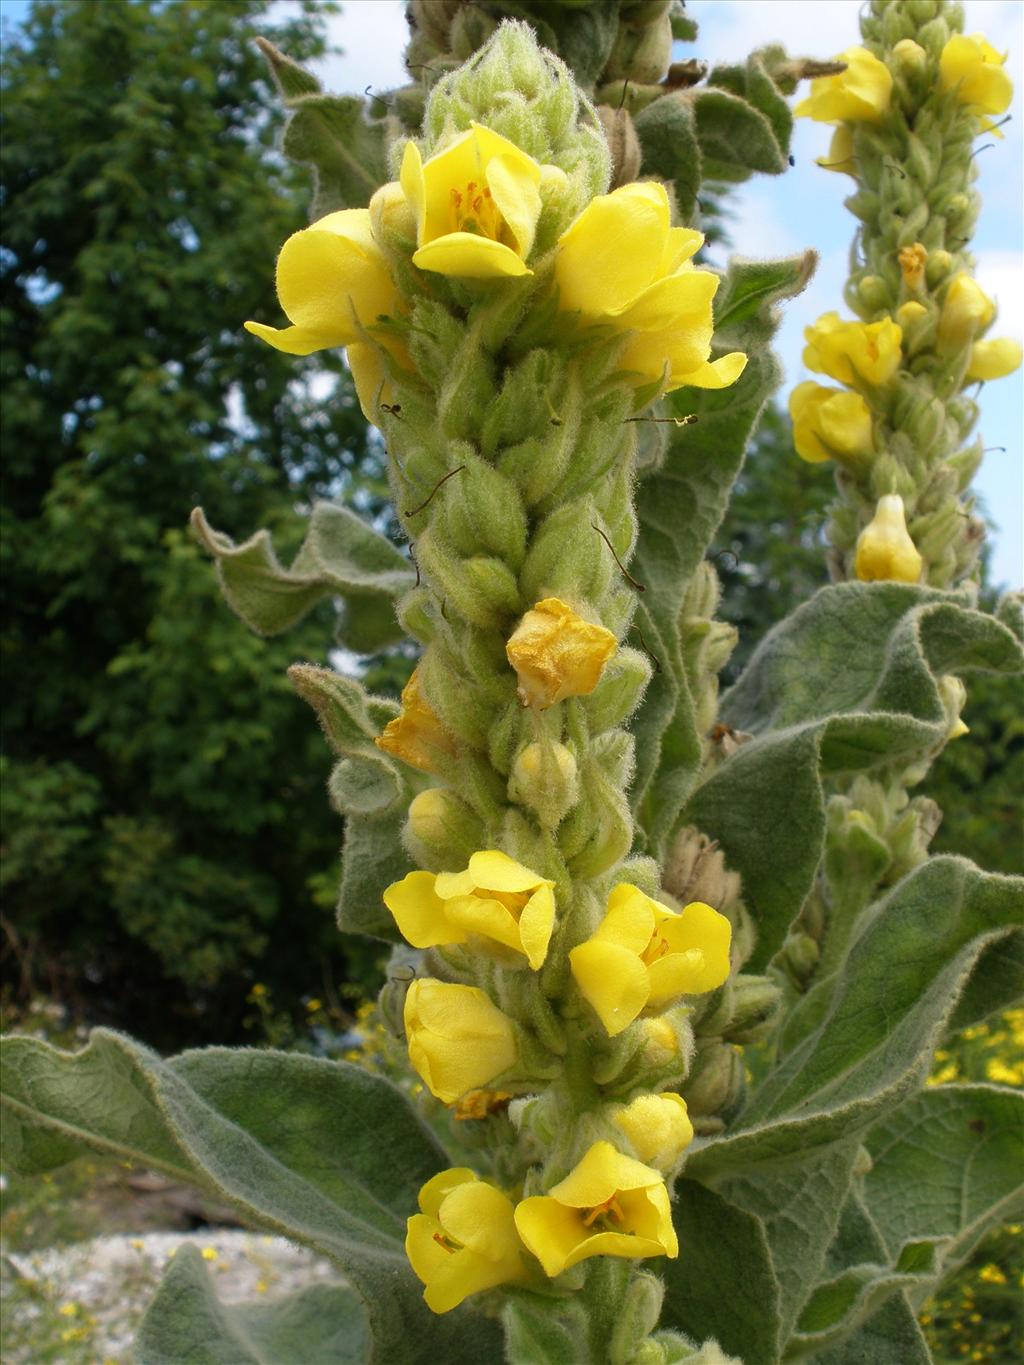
(966, 310)
(909, 55)
(392, 220)
(715, 1081)
(442, 827)
(658, 1128)
(636, 1317)
(458, 1038)
(884, 548)
(953, 696)
(755, 1003)
(937, 267)
(873, 292)
(662, 1041)
(544, 779)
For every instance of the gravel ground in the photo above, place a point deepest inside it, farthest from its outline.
(88, 1297)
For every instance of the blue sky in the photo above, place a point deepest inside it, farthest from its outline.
(805, 207)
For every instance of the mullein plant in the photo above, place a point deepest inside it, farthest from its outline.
(506, 318)
(907, 111)
(596, 873)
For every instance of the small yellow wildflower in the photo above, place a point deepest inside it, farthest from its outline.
(644, 954)
(885, 549)
(912, 261)
(458, 1038)
(622, 264)
(910, 55)
(69, 1310)
(608, 1205)
(332, 282)
(416, 734)
(849, 351)
(860, 94)
(972, 70)
(991, 1274)
(209, 1253)
(829, 422)
(464, 1240)
(557, 654)
(494, 898)
(476, 204)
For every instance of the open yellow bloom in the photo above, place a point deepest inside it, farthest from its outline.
(658, 1127)
(643, 953)
(495, 898)
(556, 654)
(608, 1205)
(476, 206)
(966, 310)
(458, 1038)
(332, 282)
(861, 93)
(416, 735)
(849, 351)
(464, 1240)
(885, 549)
(622, 264)
(829, 422)
(972, 70)
(994, 359)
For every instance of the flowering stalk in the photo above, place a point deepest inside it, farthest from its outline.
(505, 319)
(906, 111)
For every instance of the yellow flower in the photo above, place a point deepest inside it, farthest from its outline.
(495, 898)
(622, 264)
(829, 422)
(991, 1274)
(458, 1039)
(464, 1240)
(609, 1205)
(966, 310)
(994, 359)
(332, 282)
(858, 94)
(912, 261)
(416, 734)
(556, 654)
(840, 153)
(658, 1127)
(972, 70)
(476, 206)
(849, 351)
(885, 549)
(643, 953)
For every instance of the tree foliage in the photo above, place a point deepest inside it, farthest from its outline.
(164, 812)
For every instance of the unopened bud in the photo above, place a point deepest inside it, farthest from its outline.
(953, 696)
(544, 779)
(623, 144)
(873, 292)
(636, 1316)
(910, 55)
(937, 267)
(755, 1003)
(885, 550)
(966, 310)
(715, 1081)
(392, 219)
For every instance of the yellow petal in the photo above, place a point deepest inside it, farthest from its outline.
(713, 374)
(672, 302)
(420, 913)
(612, 252)
(492, 870)
(804, 405)
(296, 340)
(630, 918)
(436, 1190)
(514, 188)
(458, 1039)
(612, 980)
(550, 1231)
(602, 1173)
(470, 257)
(428, 1258)
(535, 925)
(370, 379)
(332, 279)
(480, 1217)
(557, 654)
(481, 915)
(994, 359)
(701, 929)
(411, 180)
(681, 245)
(885, 549)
